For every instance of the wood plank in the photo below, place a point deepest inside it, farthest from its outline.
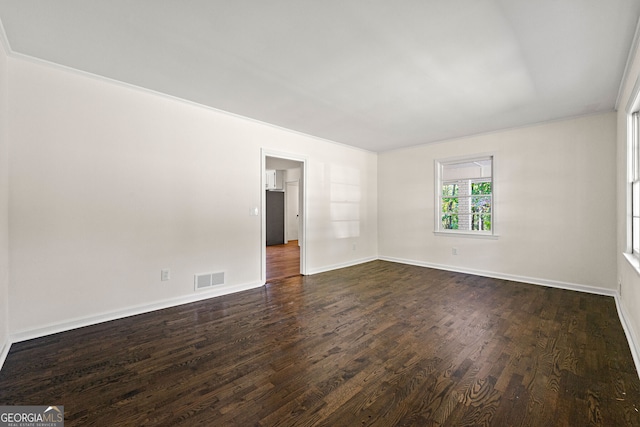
(375, 344)
(283, 261)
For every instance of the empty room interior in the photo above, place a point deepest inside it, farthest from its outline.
(457, 184)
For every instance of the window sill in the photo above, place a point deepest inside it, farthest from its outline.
(634, 261)
(464, 234)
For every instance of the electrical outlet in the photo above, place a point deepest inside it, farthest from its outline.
(165, 275)
(454, 251)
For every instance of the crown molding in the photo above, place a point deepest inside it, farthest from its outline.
(630, 60)
(4, 40)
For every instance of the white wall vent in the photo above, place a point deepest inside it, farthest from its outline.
(207, 280)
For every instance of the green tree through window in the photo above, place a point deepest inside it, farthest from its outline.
(481, 206)
(466, 195)
(450, 206)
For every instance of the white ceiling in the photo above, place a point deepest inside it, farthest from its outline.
(375, 74)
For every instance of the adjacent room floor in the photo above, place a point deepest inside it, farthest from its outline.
(375, 344)
(283, 261)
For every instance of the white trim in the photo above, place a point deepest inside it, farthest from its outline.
(633, 105)
(11, 53)
(4, 41)
(438, 169)
(510, 277)
(633, 261)
(473, 235)
(109, 80)
(627, 66)
(626, 325)
(80, 322)
(342, 265)
(632, 102)
(5, 352)
(629, 185)
(629, 332)
(458, 138)
(302, 231)
(105, 317)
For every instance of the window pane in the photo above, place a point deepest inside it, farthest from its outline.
(635, 197)
(481, 222)
(634, 147)
(475, 222)
(466, 194)
(636, 235)
(481, 188)
(481, 204)
(450, 205)
(486, 221)
(450, 222)
(450, 190)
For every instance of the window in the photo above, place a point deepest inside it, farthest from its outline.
(632, 250)
(465, 202)
(634, 175)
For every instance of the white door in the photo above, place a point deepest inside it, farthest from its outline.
(293, 211)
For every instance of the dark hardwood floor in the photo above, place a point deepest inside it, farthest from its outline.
(283, 261)
(379, 344)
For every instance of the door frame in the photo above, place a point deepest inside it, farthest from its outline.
(302, 201)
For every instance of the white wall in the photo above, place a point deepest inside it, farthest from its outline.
(4, 212)
(553, 189)
(627, 275)
(111, 184)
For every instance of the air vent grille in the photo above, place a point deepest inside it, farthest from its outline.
(207, 280)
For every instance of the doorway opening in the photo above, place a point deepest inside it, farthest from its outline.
(283, 216)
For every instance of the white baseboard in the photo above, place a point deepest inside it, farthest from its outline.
(626, 325)
(6, 346)
(511, 277)
(341, 265)
(634, 345)
(68, 325)
(225, 290)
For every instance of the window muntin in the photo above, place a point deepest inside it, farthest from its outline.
(465, 202)
(635, 184)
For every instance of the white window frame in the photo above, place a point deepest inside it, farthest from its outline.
(633, 245)
(633, 172)
(439, 166)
